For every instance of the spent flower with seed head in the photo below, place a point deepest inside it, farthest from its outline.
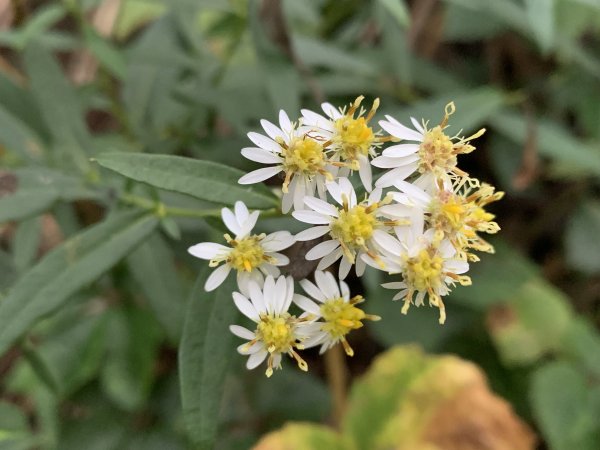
(277, 332)
(433, 153)
(349, 137)
(294, 150)
(251, 255)
(354, 228)
(337, 313)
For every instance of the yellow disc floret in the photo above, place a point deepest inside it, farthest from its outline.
(354, 137)
(303, 156)
(423, 272)
(246, 253)
(353, 227)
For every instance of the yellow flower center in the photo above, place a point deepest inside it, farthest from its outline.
(424, 271)
(354, 226)
(276, 332)
(436, 152)
(341, 317)
(247, 253)
(305, 156)
(354, 137)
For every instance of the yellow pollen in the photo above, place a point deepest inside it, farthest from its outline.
(354, 137)
(304, 156)
(276, 332)
(247, 253)
(341, 317)
(354, 226)
(424, 271)
(436, 152)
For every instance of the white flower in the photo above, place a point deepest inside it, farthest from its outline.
(354, 229)
(350, 138)
(292, 150)
(431, 152)
(251, 255)
(427, 264)
(277, 332)
(334, 306)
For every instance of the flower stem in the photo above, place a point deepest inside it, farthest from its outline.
(162, 210)
(337, 378)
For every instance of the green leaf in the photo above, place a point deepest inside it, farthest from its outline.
(17, 136)
(68, 268)
(14, 429)
(581, 240)
(281, 78)
(205, 180)
(37, 189)
(553, 141)
(204, 354)
(540, 14)
(26, 242)
(153, 268)
(560, 402)
(59, 105)
(582, 343)
(133, 338)
(398, 10)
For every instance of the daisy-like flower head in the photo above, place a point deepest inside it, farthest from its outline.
(354, 228)
(251, 255)
(427, 264)
(295, 151)
(349, 136)
(337, 312)
(458, 212)
(432, 154)
(277, 332)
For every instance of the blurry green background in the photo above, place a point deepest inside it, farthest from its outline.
(97, 368)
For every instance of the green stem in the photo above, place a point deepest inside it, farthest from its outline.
(162, 210)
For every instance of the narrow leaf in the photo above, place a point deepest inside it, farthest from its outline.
(68, 268)
(205, 180)
(204, 354)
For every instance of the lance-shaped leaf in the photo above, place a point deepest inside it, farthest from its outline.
(204, 354)
(68, 268)
(205, 180)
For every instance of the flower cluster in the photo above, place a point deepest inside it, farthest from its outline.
(419, 221)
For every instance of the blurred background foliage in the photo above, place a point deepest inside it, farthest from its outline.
(89, 348)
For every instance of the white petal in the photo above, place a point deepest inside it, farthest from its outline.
(246, 227)
(245, 307)
(256, 359)
(394, 175)
(394, 285)
(329, 259)
(269, 294)
(307, 305)
(299, 193)
(278, 240)
(207, 250)
(256, 297)
(312, 233)
(330, 110)
(400, 131)
(244, 279)
(261, 155)
(364, 171)
(230, 221)
(258, 175)
(317, 120)
(347, 188)
(289, 295)
(311, 217)
(360, 267)
(375, 195)
(217, 277)
(321, 206)
(344, 289)
(417, 125)
(456, 266)
(280, 259)
(287, 199)
(327, 284)
(400, 150)
(413, 191)
(242, 332)
(335, 191)
(387, 242)
(284, 122)
(272, 130)
(241, 212)
(312, 290)
(270, 269)
(264, 142)
(280, 294)
(322, 249)
(388, 162)
(344, 269)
